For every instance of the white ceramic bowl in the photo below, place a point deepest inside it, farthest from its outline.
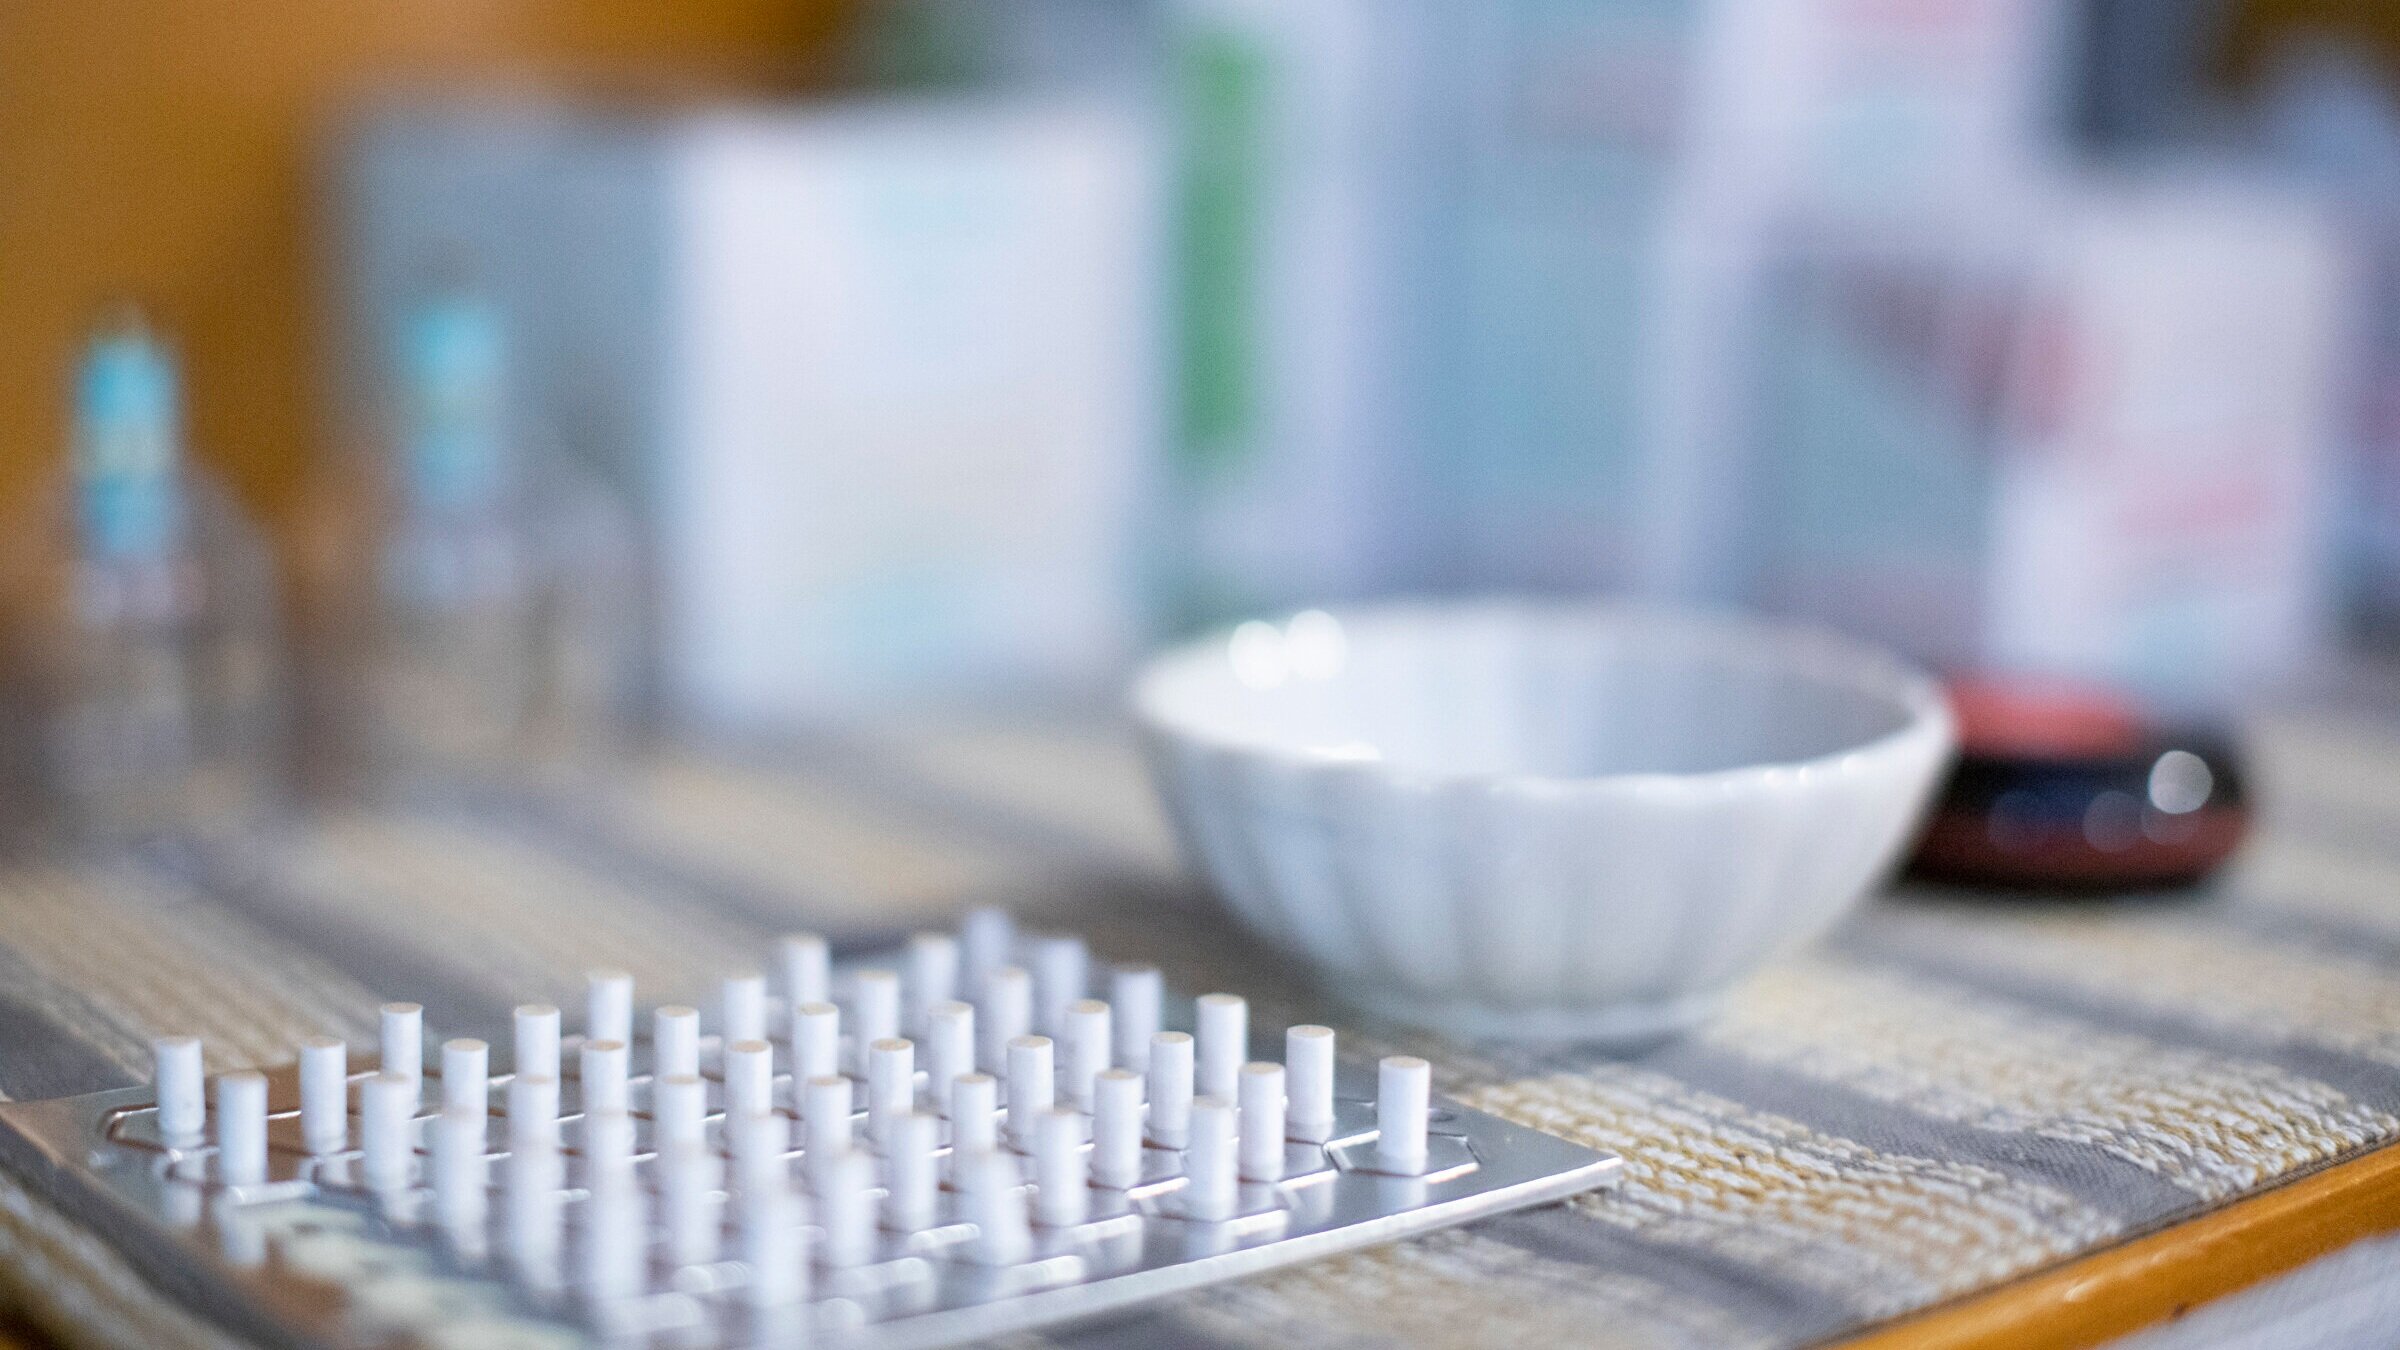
(1556, 821)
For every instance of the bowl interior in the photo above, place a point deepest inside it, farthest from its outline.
(1550, 692)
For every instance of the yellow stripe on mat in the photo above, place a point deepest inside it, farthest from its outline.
(1712, 1175)
(2211, 1124)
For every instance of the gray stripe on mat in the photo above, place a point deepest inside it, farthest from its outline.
(2357, 1077)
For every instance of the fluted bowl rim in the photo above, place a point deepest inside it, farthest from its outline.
(1163, 690)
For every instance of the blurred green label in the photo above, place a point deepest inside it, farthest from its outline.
(1221, 79)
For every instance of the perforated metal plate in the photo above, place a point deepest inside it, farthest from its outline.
(313, 1256)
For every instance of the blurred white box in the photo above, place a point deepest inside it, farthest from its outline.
(881, 374)
(1869, 122)
(2162, 520)
(913, 380)
(2097, 450)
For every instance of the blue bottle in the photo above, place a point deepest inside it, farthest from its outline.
(144, 642)
(500, 634)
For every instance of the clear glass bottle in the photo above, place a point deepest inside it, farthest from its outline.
(143, 636)
(491, 627)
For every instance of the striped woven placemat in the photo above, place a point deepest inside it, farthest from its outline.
(1947, 1093)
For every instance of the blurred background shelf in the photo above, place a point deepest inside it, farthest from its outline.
(1997, 1122)
(170, 150)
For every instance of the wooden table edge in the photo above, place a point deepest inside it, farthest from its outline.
(2160, 1275)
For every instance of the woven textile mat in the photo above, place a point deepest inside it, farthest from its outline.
(1949, 1092)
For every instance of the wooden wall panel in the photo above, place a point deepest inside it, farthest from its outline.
(162, 149)
(2259, 24)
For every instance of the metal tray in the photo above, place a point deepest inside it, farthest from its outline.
(310, 1257)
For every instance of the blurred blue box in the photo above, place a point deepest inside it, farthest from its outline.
(880, 373)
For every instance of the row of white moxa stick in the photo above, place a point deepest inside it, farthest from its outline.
(1034, 994)
(1117, 1113)
(1102, 1061)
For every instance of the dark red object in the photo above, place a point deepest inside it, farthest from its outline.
(2071, 787)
